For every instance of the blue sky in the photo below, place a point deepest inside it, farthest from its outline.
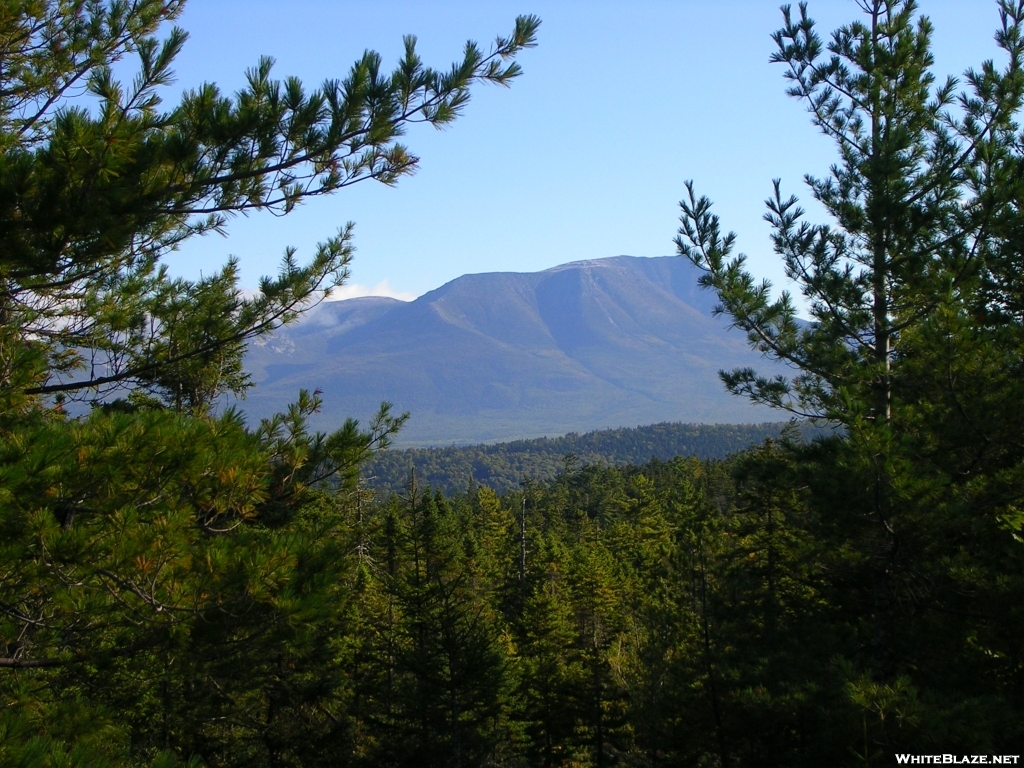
(584, 157)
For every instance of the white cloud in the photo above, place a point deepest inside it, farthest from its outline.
(355, 290)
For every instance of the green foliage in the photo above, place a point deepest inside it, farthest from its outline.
(149, 553)
(503, 466)
(922, 175)
(180, 589)
(176, 587)
(914, 348)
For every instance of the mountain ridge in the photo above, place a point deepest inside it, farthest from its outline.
(591, 344)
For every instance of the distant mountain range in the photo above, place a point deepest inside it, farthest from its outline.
(610, 342)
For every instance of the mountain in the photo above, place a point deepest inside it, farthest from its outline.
(501, 356)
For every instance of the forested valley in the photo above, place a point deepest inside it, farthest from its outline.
(179, 587)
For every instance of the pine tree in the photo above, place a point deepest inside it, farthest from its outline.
(912, 350)
(92, 199)
(174, 581)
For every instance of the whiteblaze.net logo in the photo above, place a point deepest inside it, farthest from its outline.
(957, 759)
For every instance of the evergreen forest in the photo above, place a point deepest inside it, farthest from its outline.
(179, 587)
(504, 466)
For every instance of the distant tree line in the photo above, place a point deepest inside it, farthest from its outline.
(504, 466)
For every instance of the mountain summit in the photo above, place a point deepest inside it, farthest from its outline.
(602, 343)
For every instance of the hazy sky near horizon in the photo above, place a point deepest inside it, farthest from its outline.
(584, 157)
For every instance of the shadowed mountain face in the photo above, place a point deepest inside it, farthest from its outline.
(592, 344)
